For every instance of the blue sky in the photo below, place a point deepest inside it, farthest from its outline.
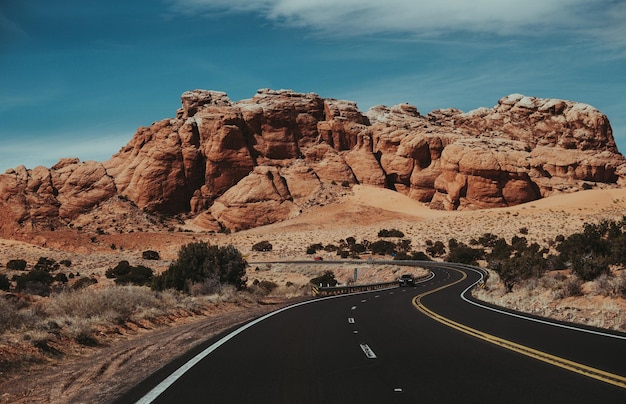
(78, 77)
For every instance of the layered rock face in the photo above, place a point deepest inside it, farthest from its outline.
(265, 159)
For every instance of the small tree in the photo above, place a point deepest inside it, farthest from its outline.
(198, 262)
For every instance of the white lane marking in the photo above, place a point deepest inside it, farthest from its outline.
(353, 308)
(397, 390)
(377, 296)
(171, 379)
(569, 327)
(355, 332)
(363, 301)
(368, 351)
(351, 320)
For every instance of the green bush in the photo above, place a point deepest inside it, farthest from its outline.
(313, 248)
(124, 274)
(150, 255)
(262, 246)
(46, 264)
(436, 249)
(390, 233)
(383, 247)
(464, 254)
(16, 265)
(37, 282)
(5, 283)
(61, 278)
(198, 262)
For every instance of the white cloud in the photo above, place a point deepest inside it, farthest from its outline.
(603, 19)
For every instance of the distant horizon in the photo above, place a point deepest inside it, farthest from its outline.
(79, 77)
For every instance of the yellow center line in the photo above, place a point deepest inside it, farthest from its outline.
(611, 378)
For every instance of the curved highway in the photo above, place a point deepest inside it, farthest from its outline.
(429, 343)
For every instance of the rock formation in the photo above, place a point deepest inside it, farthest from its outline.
(265, 159)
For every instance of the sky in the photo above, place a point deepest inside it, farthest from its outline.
(78, 77)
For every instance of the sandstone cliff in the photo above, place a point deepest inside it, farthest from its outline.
(265, 159)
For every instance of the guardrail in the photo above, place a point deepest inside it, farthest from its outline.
(342, 290)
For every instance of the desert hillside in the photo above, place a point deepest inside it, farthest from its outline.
(134, 344)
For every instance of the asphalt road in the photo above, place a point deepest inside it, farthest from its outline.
(380, 347)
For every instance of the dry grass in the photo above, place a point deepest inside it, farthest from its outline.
(562, 296)
(33, 328)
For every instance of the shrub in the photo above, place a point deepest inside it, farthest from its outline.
(9, 315)
(390, 233)
(36, 282)
(124, 273)
(343, 253)
(326, 279)
(414, 256)
(383, 247)
(487, 240)
(313, 248)
(83, 283)
(150, 255)
(265, 286)
(262, 246)
(61, 278)
(358, 248)
(464, 254)
(5, 284)
(200, 261)
(588, 269)
(16, 265)
(437, 249)
(66, 263)
(46, 264)
(573, 288)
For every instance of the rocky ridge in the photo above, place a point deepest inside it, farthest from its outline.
(244, 164)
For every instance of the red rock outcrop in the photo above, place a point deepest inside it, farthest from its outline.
(265, 159)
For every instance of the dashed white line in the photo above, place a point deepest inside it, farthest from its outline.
(351, 320)
(368, 351)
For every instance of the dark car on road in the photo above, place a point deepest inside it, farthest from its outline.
(406, 280)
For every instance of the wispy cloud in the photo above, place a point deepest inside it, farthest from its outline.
(604, 20)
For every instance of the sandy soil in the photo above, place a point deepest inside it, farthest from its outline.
(99, 374)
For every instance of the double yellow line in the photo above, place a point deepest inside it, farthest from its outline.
(611, 378)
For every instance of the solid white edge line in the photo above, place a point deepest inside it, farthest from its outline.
(171, 379)
(569, 327)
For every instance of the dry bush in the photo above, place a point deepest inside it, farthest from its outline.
(112, 304)
(290, 290)
(9, 316)
(573, 287)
